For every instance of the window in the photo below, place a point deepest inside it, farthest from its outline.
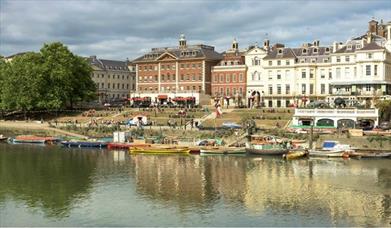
(338, 72)
(227, 77)
(287, 89)
(278, 62)
(221, 78)
(182, 66)
(322, 73)
(227, 91)
(347, 72)
(287, 62)
(311, 88)
(216, 78)
(194, 77)
(338, 59)
(270, 63)
(103, 85)
(368, 70)
(163, 67)
(270, 89)
(183, 77)
(327, 49)
(322, 88)
(303, 88)
(367, 88)
(240, 90)
(123, 86)
(355, 72)
(240, 77)
(311, 73)
(278, 74)
(279, 51)
(278, 89)
(315, 50)
(108, 85)
(278, 103)
(162, 77)
(270, 75)
(375, 70)
(304, 51)
(270, 102)
(193, 65)
(347, 58)
(221, 90)
(303, 74)
(369, 55)
(233, 77)
(330, 75)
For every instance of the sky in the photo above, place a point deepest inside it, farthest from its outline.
(119, 29)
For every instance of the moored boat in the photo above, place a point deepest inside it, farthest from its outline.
(160, 150)
(358, 154)
(295, 154)
(114, 145)
(3, 139)
(222, 150)
(266, 145)
(80, 144)
(33, 139)
(332, 149)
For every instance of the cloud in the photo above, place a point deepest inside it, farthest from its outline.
(126, 29)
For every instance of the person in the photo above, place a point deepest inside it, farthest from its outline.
(191, 123)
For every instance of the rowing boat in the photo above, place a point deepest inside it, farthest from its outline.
(160, 150)
(88, 144)
(222, 150)
(294, 154)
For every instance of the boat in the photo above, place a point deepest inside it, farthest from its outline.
(33, 139)
(294, 154)
(357, 154)
(160, 150)
(80, 144)
(3, 139)
(332, 149)
(117, 145)
(222, 150)
(266, 145)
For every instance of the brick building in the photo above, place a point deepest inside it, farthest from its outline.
(229, 77)
(169, 72)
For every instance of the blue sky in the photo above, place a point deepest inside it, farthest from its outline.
(120, 29)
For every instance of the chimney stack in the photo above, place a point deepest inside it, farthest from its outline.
(335, 46)
(266, 44)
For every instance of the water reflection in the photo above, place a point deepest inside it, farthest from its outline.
(47, 178)
(335, 191)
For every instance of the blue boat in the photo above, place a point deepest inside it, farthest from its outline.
(81, 144)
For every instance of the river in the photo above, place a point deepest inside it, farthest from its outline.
(54, 186)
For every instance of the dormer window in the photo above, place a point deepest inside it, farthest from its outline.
(327, 49)
(349, 47)
(358, 46)
(313, 60)
(302, 61)
(304, 51)
(279, 51)
(315, 50)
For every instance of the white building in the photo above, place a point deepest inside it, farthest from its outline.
(254, 61)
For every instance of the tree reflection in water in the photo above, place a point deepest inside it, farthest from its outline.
(49, 178)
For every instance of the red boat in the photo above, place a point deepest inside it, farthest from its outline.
(114, 145)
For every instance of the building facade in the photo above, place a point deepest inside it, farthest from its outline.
(229, 77)
(169, 72)
(114, 79)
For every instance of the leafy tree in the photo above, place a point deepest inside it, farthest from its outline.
(384, 109)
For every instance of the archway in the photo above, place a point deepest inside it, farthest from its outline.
(346, 123)
(325, 123)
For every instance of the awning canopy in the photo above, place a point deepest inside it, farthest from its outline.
(162, 97)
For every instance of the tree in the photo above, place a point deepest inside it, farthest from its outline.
(384, 109)
(54, 78)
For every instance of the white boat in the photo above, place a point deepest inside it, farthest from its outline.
(332, 149)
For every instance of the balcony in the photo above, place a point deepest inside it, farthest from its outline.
(337, 112)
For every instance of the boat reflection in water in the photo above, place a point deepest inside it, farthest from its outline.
(334, 192)
(54, 186)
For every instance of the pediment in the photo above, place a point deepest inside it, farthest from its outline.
(167, 56)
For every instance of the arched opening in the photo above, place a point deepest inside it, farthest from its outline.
(325, 123)
(346, 123)
(305, 122)
(365, 124)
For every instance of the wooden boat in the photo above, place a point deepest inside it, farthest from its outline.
(3, 139)
(160, 150)
(87, 144)
(266, 145)
(222, 150)
(33, 139)
(370, 154)
(294, 154)
(113, 145)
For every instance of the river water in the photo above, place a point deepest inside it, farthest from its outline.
(54, 186)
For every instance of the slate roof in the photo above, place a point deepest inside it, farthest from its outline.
(371, 46)
(106, 64)
(190, 52)
(297, 52)
(367, 47)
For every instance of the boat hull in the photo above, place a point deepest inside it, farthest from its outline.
(126, 145)
(222, 150)
(268, 152)
(328, 153)
(159, 150)
(370, 155)
(295, 154)
(85, 144)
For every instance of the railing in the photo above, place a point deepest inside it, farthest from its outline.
(337, 112)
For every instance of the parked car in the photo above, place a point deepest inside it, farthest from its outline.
(385, 125)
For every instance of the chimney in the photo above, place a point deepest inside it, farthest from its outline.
(372, 26)
(316, 43)
(335, 46)
(266, 44)
(369, 37)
